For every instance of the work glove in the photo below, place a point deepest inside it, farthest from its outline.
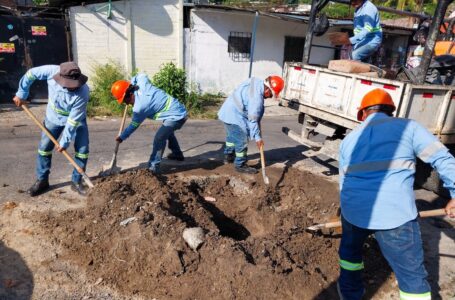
(260, 143)
(119, 139)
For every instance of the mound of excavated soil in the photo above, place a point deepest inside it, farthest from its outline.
(255, 245)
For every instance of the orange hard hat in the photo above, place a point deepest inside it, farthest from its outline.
(118, 90)
(375, 97)
(276, 84)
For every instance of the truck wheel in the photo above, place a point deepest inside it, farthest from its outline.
(427, 178)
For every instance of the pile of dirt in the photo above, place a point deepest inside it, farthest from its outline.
(129, 237)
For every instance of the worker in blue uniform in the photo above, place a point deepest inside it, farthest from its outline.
(377, 167)
(66, 115)
(241, 114)
(151, 102)
(367, 36)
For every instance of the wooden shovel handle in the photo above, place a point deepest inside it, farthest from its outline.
(261, 150)
(432, 213)
(422, 214)
(56, 143)
(122, 125)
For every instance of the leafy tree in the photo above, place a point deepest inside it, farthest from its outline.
(40, 2)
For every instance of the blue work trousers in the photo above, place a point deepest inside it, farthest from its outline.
(236, 143)
(401, 247)
(165, 134)
(44, 159)
(364, 52)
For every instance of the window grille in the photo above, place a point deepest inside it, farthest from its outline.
(239, 45)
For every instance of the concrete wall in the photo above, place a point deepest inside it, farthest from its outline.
(207, 59)
(140, 34)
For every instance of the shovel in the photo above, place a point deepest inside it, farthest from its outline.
(112, 166)
(266, 179)
(336, 224)
(56, 143)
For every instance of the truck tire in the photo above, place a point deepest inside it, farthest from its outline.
(427, 178)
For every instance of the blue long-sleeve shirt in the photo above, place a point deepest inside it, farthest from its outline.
(245, 107)
(64, 107)
(377, 166)
(367, 26)
(153, 103)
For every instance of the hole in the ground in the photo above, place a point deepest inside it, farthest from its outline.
(227, 226)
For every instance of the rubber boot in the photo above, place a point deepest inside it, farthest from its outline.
(79, 188)
(228, 158)
(178, 157)
(38, 187)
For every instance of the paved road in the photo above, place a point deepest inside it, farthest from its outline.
(201, 142)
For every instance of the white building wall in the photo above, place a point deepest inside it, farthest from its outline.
(207, 59)
(141, 34)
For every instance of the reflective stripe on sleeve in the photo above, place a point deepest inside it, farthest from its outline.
(228, 144)
(409, 296)
(350, 266)
(81, 155)
(73, 122)
(240, 154)
(166, 108)
(30, 76)
(44, 153)
(430, 150)
(373, 166)
(57, 110)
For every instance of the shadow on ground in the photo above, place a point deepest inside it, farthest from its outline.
(16, 279)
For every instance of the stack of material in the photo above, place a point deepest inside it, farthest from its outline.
(352, 66)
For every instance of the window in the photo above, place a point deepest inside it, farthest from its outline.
(239, 45)
(293, 48)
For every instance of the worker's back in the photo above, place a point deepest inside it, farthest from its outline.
(377, 166)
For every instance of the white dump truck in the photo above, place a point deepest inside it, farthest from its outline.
(328, 101)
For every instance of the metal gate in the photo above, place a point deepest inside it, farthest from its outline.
(27, 42)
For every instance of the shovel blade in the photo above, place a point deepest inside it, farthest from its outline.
(266, 179)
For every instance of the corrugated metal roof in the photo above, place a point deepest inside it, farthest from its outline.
(294, 17)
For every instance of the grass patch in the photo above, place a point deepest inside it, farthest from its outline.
(205, 106)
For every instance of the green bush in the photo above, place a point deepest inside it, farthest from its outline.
(172, 80)
(101, 100)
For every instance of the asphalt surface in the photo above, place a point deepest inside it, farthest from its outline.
(201, 141)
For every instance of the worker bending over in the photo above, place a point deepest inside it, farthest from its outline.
(151, 102)
(241, 114)
(377, 167)
(367, 31)
(66, 112)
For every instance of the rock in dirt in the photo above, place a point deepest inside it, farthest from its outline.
(10, 205)
(127, 221)
(209, 199)
(194, 237)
